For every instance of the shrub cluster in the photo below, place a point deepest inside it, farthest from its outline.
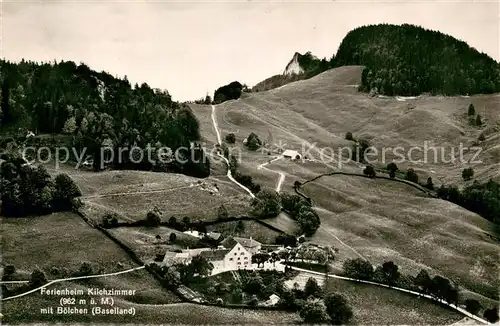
(247, 181)
(25, 190)
(301, 211)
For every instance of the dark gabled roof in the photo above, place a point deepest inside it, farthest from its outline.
(212, 255)
(230, 242)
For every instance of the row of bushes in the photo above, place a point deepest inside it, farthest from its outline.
(39, 278)
(438, 286)
(314, 306)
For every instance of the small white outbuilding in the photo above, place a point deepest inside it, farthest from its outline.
(291, 154)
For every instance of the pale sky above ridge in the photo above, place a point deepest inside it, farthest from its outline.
(191, 48)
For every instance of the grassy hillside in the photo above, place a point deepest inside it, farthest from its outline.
(375, 217)
(58, 245)
(410, 60)
(380, 306)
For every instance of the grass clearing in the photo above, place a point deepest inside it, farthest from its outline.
(384, 223)
(252, 229)
(63, 241)
(379, 219)
(380, 306)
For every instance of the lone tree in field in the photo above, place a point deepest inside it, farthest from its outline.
(312, 289)
(467, 174)
(297, 184)
(473, 306)
(423, 281)
(253, 142)
(172, 237)
(153, 219)
(349, 136)
(388, 272)
(392, 168)
(208, 99)
(65, 193)
(481, 137)
(313, 313)
(38, 278)
(110, 220)
(85, 269)
(479, 121)
(471, 111)
(172, 221)
(411, 175)
(358, 268)
(222, 213)
(491, 315)
(429, 184)
(240, 226)
(369, 171)
(338, 309)
(230, 138)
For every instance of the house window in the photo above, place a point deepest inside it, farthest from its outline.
(238, 258)
(242, 254)
(238, 248)
(246, 263)
(246, 258)
(235, 254)
(239, 263)
(230, 258)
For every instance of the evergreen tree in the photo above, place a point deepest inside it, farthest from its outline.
(471, 111)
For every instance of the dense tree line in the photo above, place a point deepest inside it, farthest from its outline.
(302, 212)
(96, 109)
(410, 60)
(231, 91)
(267, 203)
(481, 198)
(388, 273)
(25, 190)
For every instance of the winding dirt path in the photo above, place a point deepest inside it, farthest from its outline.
(279, 184)
(219, 141)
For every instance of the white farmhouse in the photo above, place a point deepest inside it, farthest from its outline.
(291, 154)
(233, 254)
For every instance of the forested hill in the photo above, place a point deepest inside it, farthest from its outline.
(409, 60)
(95, 108)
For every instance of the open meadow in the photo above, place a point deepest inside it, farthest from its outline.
(378, 219)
